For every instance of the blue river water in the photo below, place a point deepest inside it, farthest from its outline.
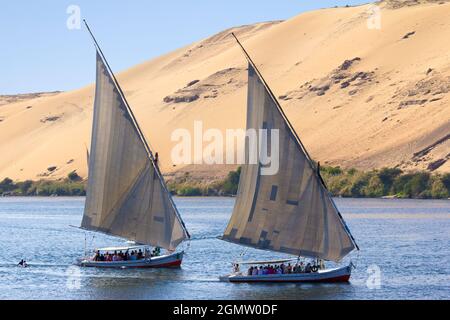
(405, 254)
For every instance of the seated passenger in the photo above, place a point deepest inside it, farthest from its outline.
(301, 268)
(308, 268)
(250, 271)
(260, 271)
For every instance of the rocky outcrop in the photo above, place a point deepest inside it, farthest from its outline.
(342, 78)
(221, 82)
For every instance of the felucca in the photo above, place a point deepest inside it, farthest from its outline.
(291, 211)
(126, 194)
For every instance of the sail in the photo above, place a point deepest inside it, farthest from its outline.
(290, 211)
(126, 195)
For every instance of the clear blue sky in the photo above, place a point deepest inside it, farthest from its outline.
(39, 53)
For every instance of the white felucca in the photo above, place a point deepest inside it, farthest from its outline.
(126, 193)
(291, 211)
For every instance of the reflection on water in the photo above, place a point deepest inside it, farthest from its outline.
(409, 240)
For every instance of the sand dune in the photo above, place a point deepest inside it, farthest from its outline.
(358, 97)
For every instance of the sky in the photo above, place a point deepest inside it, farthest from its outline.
(39, 52)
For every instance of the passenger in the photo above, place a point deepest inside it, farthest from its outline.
(301, 267)
(279, 270)
(255, 271)
(289, 268)
(140, 255)
(260, 271)
(283, 268)
(236, 268)
(322, 264)
(250, 271)
(308, 268)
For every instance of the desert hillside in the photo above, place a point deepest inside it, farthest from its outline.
(358, 96)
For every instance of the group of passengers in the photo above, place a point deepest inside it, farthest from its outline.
(285, 269)
(134, 255)
(119, 256)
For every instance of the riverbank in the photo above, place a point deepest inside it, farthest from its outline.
(350, 183)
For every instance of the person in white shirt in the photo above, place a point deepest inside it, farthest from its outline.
(260, 271)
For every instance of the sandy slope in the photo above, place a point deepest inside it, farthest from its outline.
(358, 97)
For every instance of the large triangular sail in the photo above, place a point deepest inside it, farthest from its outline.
(291, 211)
(126, 194)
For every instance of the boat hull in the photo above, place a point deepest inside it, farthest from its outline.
(167, 261)
(324, 276)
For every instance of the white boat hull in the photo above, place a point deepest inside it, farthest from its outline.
(166, 261)
(329, 275)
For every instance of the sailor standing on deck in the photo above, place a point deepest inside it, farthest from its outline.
(156, 159)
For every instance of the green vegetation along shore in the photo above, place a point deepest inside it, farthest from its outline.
(73, 185)
(386, 182)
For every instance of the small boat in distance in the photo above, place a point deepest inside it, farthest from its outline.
(291, 211)
(126, 194)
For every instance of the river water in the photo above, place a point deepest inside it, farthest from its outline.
(405, 254)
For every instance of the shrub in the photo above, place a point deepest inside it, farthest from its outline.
(375, 187)
(438, 189)
(412, 185)
(333, 171)
(187, 191)
(24, 187)
(446, 181)
(7, 185)
(73, 176)
(387, 177)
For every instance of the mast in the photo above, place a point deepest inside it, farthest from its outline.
(291, 210)
(297, 138)
(127, 196)
(138, 128)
